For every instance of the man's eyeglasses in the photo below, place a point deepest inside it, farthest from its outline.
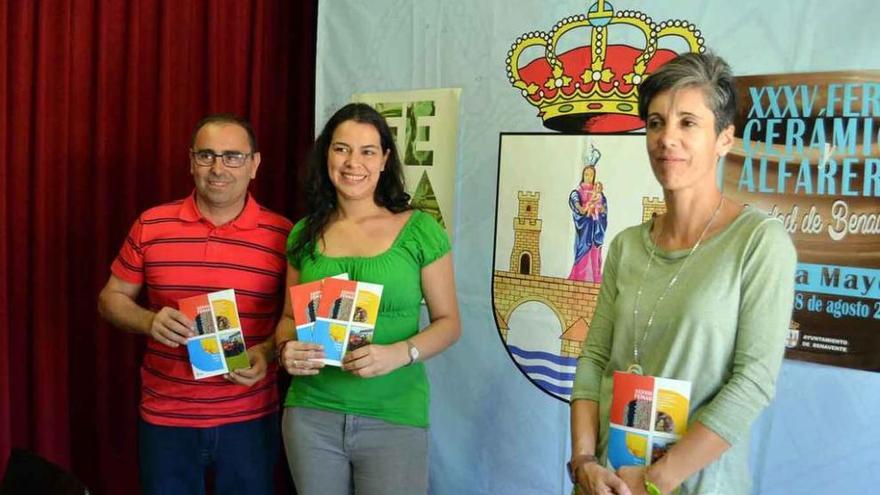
(232, 159)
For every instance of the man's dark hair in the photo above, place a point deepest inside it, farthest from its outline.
(225, 118)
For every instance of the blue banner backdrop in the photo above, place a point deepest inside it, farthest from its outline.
(492, 429)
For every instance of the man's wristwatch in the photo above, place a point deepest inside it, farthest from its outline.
(413, 352)
(576, 462)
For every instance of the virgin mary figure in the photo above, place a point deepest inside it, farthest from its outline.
(589, 211)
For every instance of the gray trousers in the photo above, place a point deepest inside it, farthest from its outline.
(332, 453)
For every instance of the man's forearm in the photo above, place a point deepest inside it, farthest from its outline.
(267, 347)
(123, 313)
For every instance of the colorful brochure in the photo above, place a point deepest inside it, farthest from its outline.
(219, 345)
(648, 416)
(366, 312)
(304, 300)
(334, 317)
(344, 320)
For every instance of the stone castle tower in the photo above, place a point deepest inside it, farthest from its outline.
(525, 257)
(652, 207)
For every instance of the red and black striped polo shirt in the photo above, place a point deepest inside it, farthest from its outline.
(176, 253)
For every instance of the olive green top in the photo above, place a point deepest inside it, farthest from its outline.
(722, 327)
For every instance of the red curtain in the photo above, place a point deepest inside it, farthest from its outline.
(97, 102)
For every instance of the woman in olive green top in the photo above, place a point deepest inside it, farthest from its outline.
(702, 293)
(363, 426)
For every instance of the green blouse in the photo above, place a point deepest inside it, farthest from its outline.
(401, 396)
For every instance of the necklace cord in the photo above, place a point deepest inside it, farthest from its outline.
(637, 343)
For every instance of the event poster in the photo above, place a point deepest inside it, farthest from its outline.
(807, 152)
(425, 125)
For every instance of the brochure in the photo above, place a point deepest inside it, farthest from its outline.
(334, 318)
(304, 300)
(648, 416)
(366, 312)
(337, 313)
(219, 345)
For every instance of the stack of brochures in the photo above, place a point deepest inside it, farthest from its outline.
(218, 346)
(337, 313)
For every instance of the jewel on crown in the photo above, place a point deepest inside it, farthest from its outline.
(594, 87)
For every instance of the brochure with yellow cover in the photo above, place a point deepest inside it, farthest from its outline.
(648, 416)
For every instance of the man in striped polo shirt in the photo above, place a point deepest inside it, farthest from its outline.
(217, 238)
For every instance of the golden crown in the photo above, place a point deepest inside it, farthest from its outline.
(594, 87)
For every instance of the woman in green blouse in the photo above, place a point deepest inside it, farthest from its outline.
(363, 427)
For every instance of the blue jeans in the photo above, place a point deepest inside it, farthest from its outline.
(173, 459)
(331, 453)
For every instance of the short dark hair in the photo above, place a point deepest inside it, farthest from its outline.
(225, 118)
(320, 191)
(706, 71)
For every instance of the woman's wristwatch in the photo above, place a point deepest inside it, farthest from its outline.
(413, 352)
(578, 461)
